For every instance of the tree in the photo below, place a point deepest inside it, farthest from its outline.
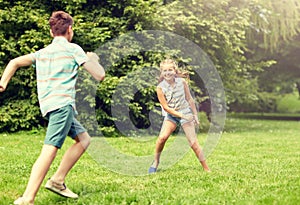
(24, 29)
(273, 23)
(231, 32)
(219, 28)
(275, 35)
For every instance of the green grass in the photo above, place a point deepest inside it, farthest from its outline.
(255, 162)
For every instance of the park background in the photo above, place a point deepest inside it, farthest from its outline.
(254, 45)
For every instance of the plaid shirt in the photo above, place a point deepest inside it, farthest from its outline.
(57, 70)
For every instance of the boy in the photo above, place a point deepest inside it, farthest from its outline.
(56, 68)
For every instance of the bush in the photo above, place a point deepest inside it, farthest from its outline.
(20, 114)
(262, 102)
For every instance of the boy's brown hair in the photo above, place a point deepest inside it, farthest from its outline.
(60, 22)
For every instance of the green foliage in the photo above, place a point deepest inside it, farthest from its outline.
(274, 34)
(19, 114)
(220, 28)
(24, 29)
(273, 23)
(289, 103)
(262, 102)
(128, 97)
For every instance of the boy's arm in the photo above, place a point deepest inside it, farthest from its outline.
(93, 66)
(11, 68)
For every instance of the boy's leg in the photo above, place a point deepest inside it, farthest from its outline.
(82, 141)
(189, 130)
(71, 156)
(39, 171)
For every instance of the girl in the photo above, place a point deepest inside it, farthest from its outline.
(178, 107)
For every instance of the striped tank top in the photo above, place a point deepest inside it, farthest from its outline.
(174, 95)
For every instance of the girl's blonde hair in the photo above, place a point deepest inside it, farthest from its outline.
(179, 73)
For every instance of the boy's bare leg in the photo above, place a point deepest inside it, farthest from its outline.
(71, 156)
(39, 171)
(189, 130)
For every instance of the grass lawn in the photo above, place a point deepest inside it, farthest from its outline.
(255, 162)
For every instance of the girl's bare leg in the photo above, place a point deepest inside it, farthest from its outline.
(167, 128)
(189, 130)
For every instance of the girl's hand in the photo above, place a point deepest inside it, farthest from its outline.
(188, 117)
(196, 120)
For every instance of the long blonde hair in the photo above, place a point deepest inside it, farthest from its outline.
(179, 73)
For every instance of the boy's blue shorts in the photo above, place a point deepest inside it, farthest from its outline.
(62, 122)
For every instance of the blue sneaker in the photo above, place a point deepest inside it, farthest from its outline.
(152, 170)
